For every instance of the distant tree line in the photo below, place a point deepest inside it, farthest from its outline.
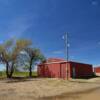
(16, 53)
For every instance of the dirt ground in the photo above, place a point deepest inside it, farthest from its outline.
(49, 89)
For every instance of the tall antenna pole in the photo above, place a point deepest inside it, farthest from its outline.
(66, 46)
(66, 52)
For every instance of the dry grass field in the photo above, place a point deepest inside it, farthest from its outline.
(46, 89)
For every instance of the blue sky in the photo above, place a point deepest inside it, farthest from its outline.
(45, 21)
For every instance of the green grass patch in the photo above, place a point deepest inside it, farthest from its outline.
(24, 74)
(18, 74)
(2, 74)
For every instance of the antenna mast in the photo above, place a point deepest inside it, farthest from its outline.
(66, 52)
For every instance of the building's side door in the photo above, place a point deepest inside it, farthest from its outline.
(63, 70)
(74, 72)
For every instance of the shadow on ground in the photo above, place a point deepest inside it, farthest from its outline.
(20, 79)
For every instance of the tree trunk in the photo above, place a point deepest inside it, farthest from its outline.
(7, 67)
(12, 70)
(30, 69)
(9, 73)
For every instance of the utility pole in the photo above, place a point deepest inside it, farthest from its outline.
(66, 46)
(66, 52)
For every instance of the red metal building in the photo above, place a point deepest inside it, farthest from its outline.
(97, 70)
(58, 68)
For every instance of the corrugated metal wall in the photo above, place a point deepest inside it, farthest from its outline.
(97, 69)
(63, 69)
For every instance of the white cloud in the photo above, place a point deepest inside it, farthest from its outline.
(99, 43)
(57, 52)
(97, 65)
(7, 2)
(1, 41)
(22, 52)
(17, 27)
(94, 2)
(2, 67)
